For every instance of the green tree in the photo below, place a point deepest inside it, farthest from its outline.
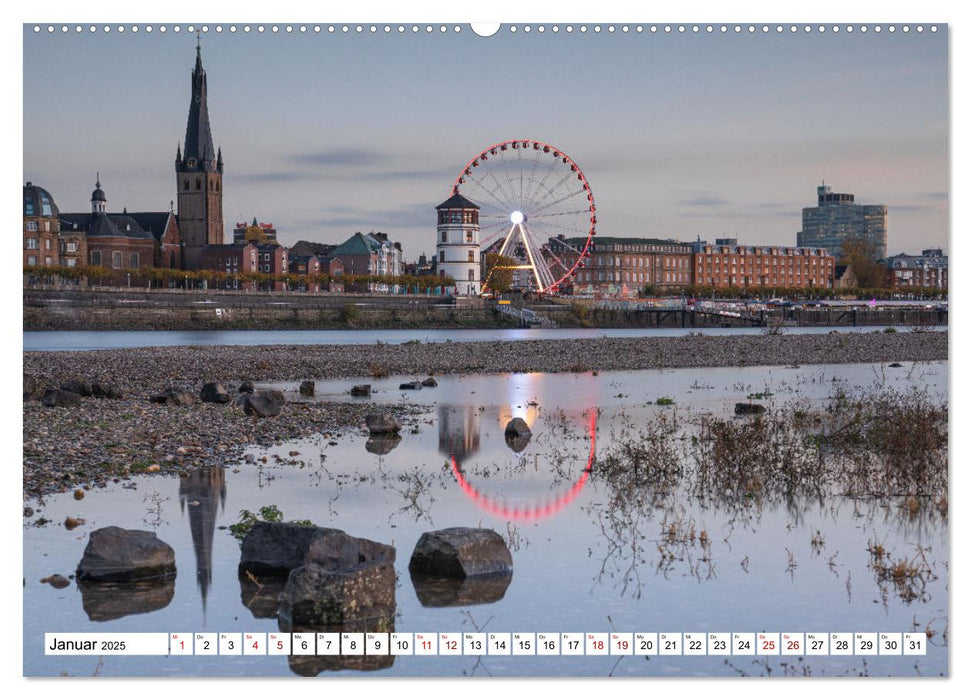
(860, 255)
(499, 273)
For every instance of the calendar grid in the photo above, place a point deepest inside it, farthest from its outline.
(488, 644)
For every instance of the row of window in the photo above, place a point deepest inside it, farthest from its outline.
(634, 248)
(633, 277)
(117, 259)
(610, 261)
(468, 237)
(775, 261)
(458, 217)
(185, 184)
(746, 281)
(441, 256)
(32, 225)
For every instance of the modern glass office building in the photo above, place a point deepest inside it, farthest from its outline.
(838, 218)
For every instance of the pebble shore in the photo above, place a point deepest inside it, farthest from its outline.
(109, 440)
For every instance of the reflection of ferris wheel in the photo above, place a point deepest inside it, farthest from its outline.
(536, 212)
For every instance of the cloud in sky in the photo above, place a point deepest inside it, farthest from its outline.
(359, 157)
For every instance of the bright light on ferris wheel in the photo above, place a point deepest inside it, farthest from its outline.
(517, 217)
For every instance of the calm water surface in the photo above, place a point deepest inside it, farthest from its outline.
(581, 562)
(104, 340)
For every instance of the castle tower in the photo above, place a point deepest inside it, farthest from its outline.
(199, 175)
(99, 202)
(457, 244)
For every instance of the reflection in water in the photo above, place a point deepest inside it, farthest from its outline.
(517, 443)
(382, 444)
(502, 507)
(443, 592)
(261, 596)
(110, 601)
(205, 487)
(310, 666)
(458, 430)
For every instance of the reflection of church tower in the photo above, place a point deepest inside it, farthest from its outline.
(458, 431)
(207, 486)
(199, 175)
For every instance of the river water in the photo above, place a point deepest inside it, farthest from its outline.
(584, 560)
(104, 340)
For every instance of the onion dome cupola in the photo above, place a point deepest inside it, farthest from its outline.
(99, 202)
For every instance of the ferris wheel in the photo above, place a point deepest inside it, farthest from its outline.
(536, 212)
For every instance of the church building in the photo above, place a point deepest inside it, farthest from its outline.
(199, 176)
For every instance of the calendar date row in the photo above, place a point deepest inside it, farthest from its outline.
(490, 643)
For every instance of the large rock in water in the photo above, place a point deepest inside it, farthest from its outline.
(116, 554)
(748, 409)
(460, 552)
(332, 577)
(361, 390)
(275, 548)
(343, 578)
(307, 388)
(315, 595)
(382, 424)
(61, 398)
(214, 392)
(517, 427)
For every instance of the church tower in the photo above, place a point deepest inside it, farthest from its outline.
(199, 176)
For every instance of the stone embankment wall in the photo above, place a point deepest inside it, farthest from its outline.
(208, 310)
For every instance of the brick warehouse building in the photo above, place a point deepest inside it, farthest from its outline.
(626, 265)
(727, 264)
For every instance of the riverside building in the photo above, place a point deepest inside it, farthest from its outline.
(727, 264)
(624, 266)
(929, 269)
(838, 218)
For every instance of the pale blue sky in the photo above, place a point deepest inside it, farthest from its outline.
(679, 135)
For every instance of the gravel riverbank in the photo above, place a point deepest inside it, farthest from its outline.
(103, 440)
(147, 370)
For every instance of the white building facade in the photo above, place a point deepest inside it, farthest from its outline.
(457, 253)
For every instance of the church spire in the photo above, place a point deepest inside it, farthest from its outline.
(199, 153)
